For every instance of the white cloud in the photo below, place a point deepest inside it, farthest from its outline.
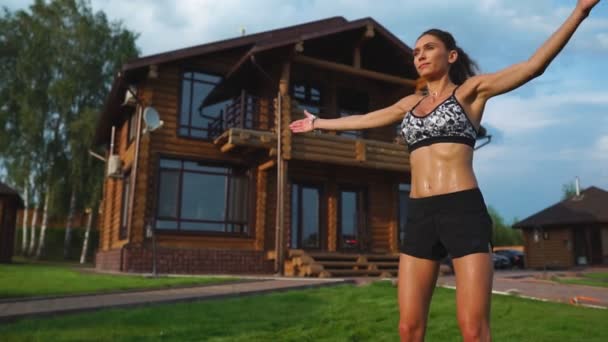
(601, 147)
(514, 115)
(602, 40)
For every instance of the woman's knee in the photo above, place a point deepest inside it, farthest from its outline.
(474, 328)
(411, 329)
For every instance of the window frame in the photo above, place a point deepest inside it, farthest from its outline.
(362, 229)
(308, 101)
(189, 127)
(247, 229)
(131, 127)
(344, 111)
(322, 240)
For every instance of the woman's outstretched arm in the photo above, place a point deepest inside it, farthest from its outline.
(489, 85)
(378, 118)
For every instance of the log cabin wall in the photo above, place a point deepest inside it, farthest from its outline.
(554, 251)
(166, 142)
(163, 93)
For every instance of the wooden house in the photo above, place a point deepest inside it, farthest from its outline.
(570, 233)
(224, 182)
(10, 203)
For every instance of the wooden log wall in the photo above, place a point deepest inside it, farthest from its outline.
(163, 94)
(554, 252)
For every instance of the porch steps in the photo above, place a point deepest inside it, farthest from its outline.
(335, 264)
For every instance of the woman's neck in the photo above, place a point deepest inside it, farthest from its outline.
(436, 88)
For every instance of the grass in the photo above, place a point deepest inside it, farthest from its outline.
(342, 313)
(49, 279)
(591, 279)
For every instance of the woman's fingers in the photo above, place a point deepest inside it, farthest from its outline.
(302, 125)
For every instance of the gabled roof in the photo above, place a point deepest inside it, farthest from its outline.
(246, 41)
(590, 207)
(6, 191)
(249, 45)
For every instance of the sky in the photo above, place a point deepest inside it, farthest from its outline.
(545, 133)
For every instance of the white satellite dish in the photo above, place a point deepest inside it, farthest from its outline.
(152, 120)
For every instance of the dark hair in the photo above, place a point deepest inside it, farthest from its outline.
(464, 67)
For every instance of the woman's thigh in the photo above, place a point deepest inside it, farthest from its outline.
(416, 282)
(474, 274)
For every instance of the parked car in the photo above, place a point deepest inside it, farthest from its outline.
(500, 261)
(516, 257)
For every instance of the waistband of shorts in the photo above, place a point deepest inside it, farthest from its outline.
(469, 199)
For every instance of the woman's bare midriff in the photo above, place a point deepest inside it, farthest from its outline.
(441, 168)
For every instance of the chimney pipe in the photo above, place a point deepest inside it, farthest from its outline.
(578, 187)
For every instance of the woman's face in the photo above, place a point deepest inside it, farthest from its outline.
(431, 58)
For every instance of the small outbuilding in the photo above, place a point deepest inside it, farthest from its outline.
(10, 202)
(570, 233)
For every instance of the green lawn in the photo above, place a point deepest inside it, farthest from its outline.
(343, 313)
(46, 279)
(591, 279)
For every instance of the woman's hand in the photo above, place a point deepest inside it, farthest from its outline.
(303, 125)
(586, 5)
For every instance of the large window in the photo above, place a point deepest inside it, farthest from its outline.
(404, 194)
(305, 216)
(132, 128)
(352, 102)
(196, 121)
(195, 196)
(124, 213)
(308, 97)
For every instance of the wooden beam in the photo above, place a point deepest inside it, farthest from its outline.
(357, 57)
(227, 147)
(299, 47)
(347, 69)
(360, 150)
(369, 31)
(267, 165)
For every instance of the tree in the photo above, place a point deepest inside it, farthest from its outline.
(503, 234)
(57, 62)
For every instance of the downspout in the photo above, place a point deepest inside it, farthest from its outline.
(279, 213)
(280, 217)
(133, 173)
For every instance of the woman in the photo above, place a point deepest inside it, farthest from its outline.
(447, 213)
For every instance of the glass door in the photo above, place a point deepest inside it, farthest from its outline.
(352, 220)
(305, 216)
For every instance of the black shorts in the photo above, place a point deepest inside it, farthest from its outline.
(456, 223)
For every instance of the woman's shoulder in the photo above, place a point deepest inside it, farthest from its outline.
(409, 101)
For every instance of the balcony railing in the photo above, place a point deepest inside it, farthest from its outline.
(245, 111)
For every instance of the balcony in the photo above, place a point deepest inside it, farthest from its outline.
(248, 124)
(244, 112)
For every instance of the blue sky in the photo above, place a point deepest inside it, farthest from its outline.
(546, 133)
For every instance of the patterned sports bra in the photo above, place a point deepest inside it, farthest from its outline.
(448, 122)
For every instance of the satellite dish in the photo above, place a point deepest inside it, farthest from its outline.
(152, 120)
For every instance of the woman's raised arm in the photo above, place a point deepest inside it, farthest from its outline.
(489, 85)
(377, 118)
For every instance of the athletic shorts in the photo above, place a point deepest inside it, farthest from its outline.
(456, 223)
